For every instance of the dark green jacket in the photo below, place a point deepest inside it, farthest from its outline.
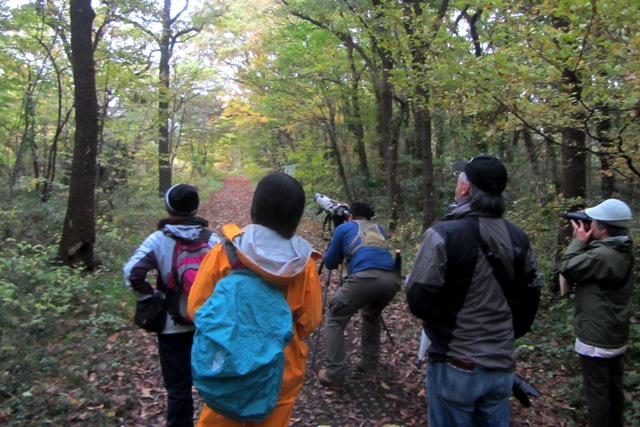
(602, 271)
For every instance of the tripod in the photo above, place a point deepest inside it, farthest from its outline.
(324, 307)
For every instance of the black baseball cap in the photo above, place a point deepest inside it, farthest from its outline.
(485, 172)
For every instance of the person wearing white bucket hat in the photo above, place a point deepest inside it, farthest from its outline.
(599, 262)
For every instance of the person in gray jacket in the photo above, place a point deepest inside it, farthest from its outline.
(599, 262)
(466, 310)
(156, 254)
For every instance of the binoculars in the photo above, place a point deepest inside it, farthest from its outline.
(579, 216)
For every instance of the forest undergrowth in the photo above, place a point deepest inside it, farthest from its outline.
(71, 356)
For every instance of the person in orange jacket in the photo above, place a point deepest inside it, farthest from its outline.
(269, 248)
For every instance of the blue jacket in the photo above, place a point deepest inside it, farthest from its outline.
(363, 258)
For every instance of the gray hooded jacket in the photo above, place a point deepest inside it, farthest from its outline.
(453, 289)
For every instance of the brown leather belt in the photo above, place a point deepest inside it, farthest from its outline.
(465, 365)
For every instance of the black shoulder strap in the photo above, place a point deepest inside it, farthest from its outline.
(499, 270)
(522, 298)
(205, 235)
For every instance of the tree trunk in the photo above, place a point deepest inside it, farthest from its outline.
(393, 183)
(574, 175)
(164, 155)
(607, 177)
(574, 156)
(531, 153)
(422, 114)
(333, 137)
(423, 133)
(27, 139)
(388, 141)
(79, 232)
(354, 118)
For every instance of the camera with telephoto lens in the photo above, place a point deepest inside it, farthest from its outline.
(336, 211)
(579, 216)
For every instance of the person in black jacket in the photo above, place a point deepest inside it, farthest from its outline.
(454, 288)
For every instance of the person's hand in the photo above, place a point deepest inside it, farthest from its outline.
(565, 286)
(580, 231)
(156, 294)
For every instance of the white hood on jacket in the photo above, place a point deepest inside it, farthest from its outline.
(272, 252)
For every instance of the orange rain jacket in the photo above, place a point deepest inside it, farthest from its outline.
(289, 264)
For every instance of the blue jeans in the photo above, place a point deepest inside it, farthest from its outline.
(461, 398)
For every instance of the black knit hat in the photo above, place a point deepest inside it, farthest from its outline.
(182, 200)
(487, 173)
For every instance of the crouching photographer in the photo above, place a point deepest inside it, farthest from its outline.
(372, 282)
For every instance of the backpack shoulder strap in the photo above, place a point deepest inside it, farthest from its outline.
(232, 255)
(352, 245)
(366, 229)
(205, 235)
(522, 298)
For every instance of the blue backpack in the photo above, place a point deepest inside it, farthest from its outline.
(237, 358)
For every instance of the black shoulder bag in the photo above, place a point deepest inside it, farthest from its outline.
(151, 313)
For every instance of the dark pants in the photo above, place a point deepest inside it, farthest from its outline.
(602, 383)
(175, 361)
(370, 291)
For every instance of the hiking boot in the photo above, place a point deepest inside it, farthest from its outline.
(323, 378)
(369, 374)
